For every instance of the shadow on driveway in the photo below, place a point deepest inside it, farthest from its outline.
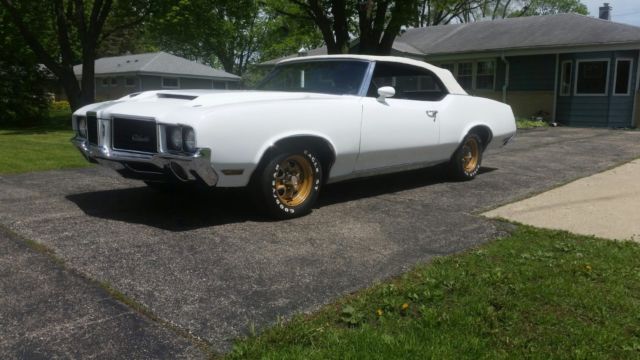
(188, 209)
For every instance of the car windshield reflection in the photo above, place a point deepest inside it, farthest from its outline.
(343, 77)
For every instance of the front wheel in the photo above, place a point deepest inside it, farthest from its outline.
(465, 162)
(289, 183)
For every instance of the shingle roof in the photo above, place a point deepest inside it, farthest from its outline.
(549, 31)
(533, 32)
(160, 63)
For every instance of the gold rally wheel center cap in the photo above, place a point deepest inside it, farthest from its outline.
(470, 154)
(294, 180)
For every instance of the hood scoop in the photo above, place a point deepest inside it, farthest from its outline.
(177, 96)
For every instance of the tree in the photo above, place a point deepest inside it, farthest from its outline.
(286, 34)
(23, 100)
(225, 32)
(61, 32)
(375, 22)
(443, 12)
(549, 7)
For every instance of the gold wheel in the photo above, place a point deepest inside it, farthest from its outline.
(294, 179)
(470, 155)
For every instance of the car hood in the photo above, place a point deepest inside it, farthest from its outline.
(160, 104)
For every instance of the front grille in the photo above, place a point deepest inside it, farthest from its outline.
(136, 135)
(92, 129)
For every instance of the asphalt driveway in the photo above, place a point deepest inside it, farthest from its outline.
(207, 264)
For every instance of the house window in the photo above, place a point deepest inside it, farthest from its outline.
(130, 82)
(170, 82)
(592, 77)
(114, 81)
(105, 82)
(465, 75)
(623, 77)
(450, 67)
(218, 84)
(565, 78)
(485, 75)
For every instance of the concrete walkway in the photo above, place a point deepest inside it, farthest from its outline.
(605, 205)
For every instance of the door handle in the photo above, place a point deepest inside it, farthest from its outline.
(432, 114)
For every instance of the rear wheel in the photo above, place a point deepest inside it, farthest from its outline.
(465, 162)
(289, 183)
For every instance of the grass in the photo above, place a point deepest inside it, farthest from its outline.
(45, 147)
(522, 123)
(534, 294)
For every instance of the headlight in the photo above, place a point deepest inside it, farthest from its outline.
(82, 126)
(174, 138)
(189, 139)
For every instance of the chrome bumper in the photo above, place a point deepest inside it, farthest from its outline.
(196, 167)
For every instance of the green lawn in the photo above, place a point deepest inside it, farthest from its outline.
(535, 294)
(44, 147)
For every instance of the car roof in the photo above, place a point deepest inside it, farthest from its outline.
(445, 75)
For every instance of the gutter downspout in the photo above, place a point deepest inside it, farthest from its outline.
(635, 122)
(506, 78)
(555, 92)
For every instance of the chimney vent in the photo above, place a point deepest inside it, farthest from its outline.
(605, 12)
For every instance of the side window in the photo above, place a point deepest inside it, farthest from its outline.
(410, 82)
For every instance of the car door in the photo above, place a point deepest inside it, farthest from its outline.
(402, 129)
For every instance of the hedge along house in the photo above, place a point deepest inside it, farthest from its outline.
(121, 75)
(573, 69)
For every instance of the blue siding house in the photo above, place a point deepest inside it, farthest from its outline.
(567, 68)
(572, 69)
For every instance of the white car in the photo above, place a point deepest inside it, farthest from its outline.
(313, 120)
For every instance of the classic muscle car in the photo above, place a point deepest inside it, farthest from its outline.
(313, 120)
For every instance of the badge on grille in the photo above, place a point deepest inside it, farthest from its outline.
(139, 138)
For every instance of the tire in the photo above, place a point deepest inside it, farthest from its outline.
(466, 161)
(288, 184)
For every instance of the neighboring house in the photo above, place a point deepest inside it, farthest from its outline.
(121, 75)
(574, 69)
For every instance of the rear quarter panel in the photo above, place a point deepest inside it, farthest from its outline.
(461, 113)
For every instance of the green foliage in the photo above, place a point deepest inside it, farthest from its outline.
(522, 123)
(231, 34)
(60, 106)
(223, 32)
(535, 294)
(549, 7)
(23, 98)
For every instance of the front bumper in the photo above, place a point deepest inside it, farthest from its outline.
(152, 167)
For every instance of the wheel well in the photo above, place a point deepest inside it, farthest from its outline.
(485, 134)
(321, 146)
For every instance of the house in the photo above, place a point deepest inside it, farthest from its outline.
(121, 75)
(572, 69)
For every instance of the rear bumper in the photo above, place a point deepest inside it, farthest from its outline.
(152, 167)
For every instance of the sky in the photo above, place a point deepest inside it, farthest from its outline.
(624, 11)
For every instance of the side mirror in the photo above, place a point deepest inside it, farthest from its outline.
(385, 92)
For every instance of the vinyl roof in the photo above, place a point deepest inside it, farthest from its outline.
(158, 63)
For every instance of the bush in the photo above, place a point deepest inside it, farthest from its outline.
(59, 106)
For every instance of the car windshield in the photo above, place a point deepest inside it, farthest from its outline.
(341, 77)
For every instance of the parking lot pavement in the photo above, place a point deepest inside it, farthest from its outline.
(48, 312)
(209, 264)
